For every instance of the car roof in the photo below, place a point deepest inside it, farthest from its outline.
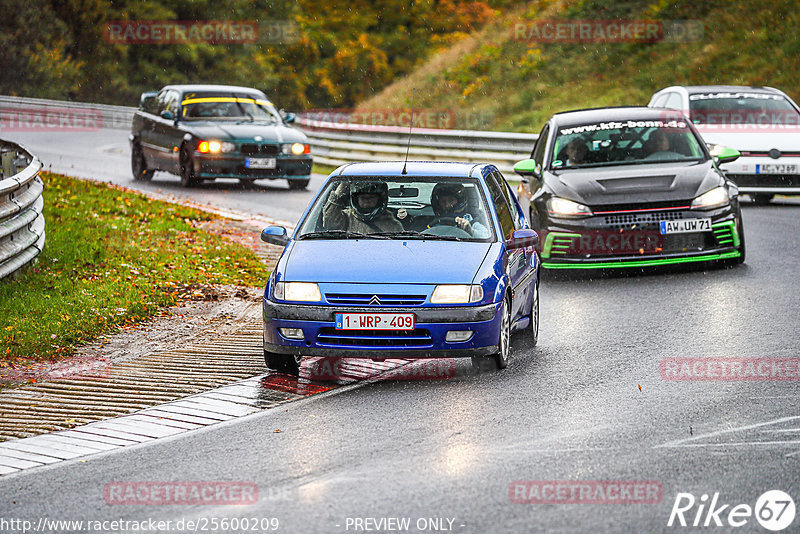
(593, 115)
(696, 89)
(414, 168)
(199, 88)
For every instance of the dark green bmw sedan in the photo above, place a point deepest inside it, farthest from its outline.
(205, 132)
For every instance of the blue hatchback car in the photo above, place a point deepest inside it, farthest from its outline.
(394, 260)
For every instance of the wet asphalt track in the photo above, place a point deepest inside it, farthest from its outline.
(569, 409)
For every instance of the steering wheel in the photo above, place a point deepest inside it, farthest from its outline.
(446, 227)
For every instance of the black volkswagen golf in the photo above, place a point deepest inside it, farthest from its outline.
(629, 187)
(204, 132)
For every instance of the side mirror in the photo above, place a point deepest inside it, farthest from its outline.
(523, 238)
(288, 118)
(528, 168)
(726, 155)
(275, 235)
(167, 115)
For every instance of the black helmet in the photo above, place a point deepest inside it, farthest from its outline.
(368, 188)
(449, 190)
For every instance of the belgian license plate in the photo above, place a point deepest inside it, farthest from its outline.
(777, 168)
(260, 163)
(374, 321)
(684, 226)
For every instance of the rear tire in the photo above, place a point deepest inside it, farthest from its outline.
(139, 164)
(760, 199)
(296, 185)
(283, 363)
(188, 178)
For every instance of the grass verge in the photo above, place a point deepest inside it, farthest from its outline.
(112, 258)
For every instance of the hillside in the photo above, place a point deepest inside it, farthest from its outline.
(493, 81)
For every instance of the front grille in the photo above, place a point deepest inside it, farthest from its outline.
(330, 337)
(252, 149)
(643, 218)
(725, 234)
(364, 299)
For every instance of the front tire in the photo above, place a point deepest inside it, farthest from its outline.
(283, 363)
(535, 315)
(188, 178)
(139, 164)
(504, 343)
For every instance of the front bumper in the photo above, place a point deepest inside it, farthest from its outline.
(631, 241)
(207, 166)
(427, 340)
(748, 174)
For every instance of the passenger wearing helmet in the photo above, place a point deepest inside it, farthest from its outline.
(449, 202)
(360, 207)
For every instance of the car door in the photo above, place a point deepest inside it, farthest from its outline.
(516, 260)
(145, 120)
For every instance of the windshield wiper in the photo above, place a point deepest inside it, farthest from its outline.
(411, 233)
(339, 234)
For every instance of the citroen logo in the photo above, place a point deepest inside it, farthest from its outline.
(374, 301)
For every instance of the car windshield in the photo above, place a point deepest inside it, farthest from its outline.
(228, 108)
(742, 108)
(451, 209)
(625, 142)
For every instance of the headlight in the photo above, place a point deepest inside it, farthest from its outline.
(228, 147)
(297, 291)
(715, 198)
(456, 294)
(212, 147)
(561, 207)
(296, 148)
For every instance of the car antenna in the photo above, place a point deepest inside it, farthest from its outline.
(410, 124)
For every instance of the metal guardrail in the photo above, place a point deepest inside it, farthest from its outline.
(336, 143)
(37, 114)
(21, 218)
(333, 143)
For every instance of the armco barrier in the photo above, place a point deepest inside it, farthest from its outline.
(336, 143)
(21, 217)
(333, 143)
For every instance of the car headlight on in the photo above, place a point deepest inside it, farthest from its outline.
(715, 198)
(561, 207)
(296, 148)
(297, 291)
(209, 147)
(714, 150)
(457, 294)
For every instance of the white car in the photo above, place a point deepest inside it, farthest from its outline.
(760, 122)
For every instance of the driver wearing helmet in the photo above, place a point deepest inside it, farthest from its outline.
(449, 201)
(360, 207)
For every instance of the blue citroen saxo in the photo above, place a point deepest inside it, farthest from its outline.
(403, 260)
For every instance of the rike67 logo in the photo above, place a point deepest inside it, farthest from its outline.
(774, 510)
